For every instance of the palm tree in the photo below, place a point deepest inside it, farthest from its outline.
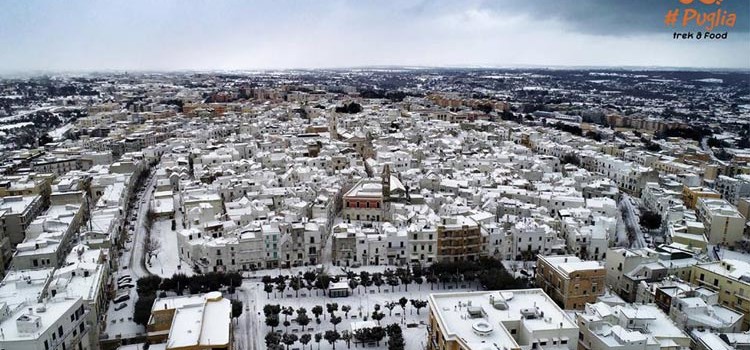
(377, 280)
(332, 337)
(304, 339)
(347, 337)
(318, 338)
(317, 310)
(353, 285)
(346, 309)
(335, 320)
(287, 311)
(390, 306)
(418, 304)
(288, 339)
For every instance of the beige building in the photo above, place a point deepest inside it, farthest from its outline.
(570, 281)
(459, 239)
(690, 195)
(724, 223)
(731, 279)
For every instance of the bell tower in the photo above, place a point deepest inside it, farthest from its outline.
(385, 177)
(332, 131)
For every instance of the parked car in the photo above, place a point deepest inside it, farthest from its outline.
(120, 306)
(121, 298)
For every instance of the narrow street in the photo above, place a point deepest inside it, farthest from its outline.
(247, 334)
(136, 262)
(630, 218)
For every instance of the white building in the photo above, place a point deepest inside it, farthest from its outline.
(631, 327)
(56, 324)
(512, 319)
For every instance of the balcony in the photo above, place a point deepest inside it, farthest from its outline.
(708, 285)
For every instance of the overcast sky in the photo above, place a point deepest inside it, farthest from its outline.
(228, 34)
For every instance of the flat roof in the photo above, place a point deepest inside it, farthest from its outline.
(452, 311)
(205, 324)
(570, 264)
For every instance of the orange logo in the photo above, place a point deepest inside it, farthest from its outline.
(706, 2)
(706, 20)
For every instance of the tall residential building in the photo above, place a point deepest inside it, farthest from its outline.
(509, 319)
(724, 223)
(690, 195)
(731, 279)
(16, 213)
(733, 188)
(59, 323)
(570, 281)
(621, 261)
(459, 239)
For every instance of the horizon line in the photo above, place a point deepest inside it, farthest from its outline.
(40, 72)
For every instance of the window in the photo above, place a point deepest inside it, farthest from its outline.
(60, 331)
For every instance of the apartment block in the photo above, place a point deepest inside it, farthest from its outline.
(570, 281)
(733, 188)
(731, 279)
(628, 327)
(690, 195)
(58, 323)
(49, 237)
(459, 239)
(509, 319)
(724, 223)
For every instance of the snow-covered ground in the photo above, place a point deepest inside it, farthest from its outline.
(21, 114)
(16, 125)
(630, 216)
(520, 269)
(725, 253)
(58, 133)
(120, 322)
(251, 330)
(137, 258)
(167, 262)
